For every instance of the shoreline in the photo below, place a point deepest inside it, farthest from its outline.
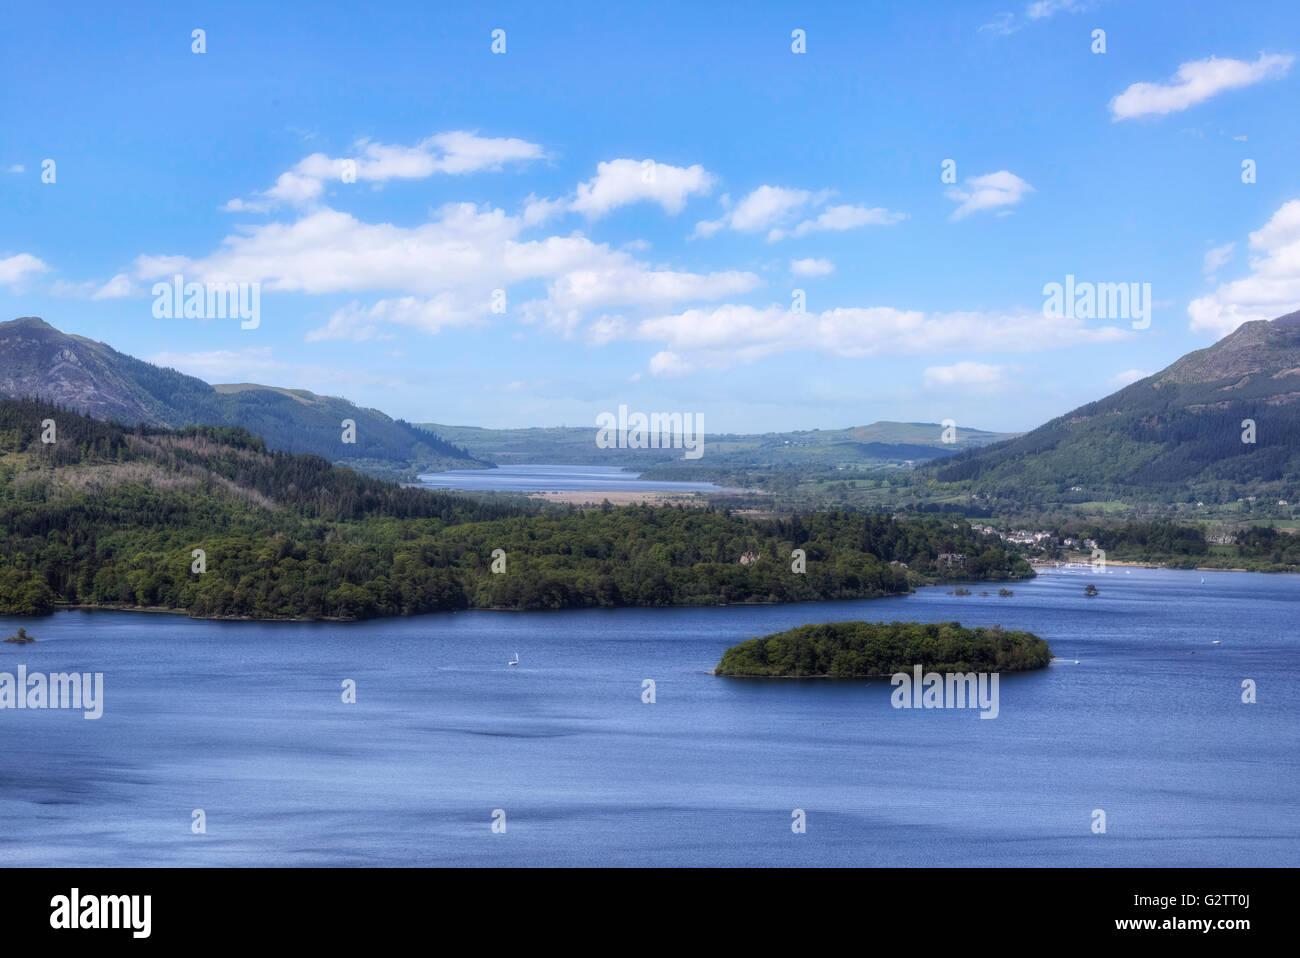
(1004, 583)
(164, 610)
(1134, 564)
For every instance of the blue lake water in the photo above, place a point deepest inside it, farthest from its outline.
(245, 721)
(557, 479)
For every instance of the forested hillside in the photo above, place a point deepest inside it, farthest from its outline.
(109, 515)
(1218, 425)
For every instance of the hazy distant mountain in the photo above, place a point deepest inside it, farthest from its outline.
(37, 360)
(878, 445)
(1176, 436)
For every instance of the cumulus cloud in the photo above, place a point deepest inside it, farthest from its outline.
(1195, 82)
(987, 192)
(730, 334)
(811, 267)
(968, 374)
(762, 208)
(623, 182)
(454, 153)
(446, 270)
(668, 365)
(327, 251)
(1271, 289)
(538, 210)
(14, 269)
(116, 288)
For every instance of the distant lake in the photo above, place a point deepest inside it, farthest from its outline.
(245, 721)
(558, 479)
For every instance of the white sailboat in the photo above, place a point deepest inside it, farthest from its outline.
(516, 660)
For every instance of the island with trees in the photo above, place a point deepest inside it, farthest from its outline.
(864, 649)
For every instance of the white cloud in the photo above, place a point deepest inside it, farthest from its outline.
(769, 206)
(15, 269)
(116, 288)
(445, 271)
(987, 192)
(572, 296)
(222, 365)
(463, 152)
(538, 210)
(153, 267)
(328, 252)
(1218, 257)
(839, 218)
(605, 329)
(17, 168)
(358, 323)
(729, 334)
(626, 281)
(811, 267)
(1127, 378)
(1007, 23)
(1273, 287)
(453, 153)
(1046, 8)
(623, 182)
(981, 376)
(1195, 82)
(762, 208)
(668, 365)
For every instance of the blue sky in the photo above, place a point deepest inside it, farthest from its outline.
(664, 285)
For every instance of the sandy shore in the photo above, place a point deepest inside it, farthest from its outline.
(623, 497)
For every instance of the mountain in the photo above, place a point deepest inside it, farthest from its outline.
(1179, 436)
(39, 361)
(881, 444)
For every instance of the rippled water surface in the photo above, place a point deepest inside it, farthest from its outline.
(245, 721)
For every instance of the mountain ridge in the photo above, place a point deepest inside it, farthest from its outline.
(38, 360)
(1217, 425)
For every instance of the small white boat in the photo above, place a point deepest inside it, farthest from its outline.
(516, 660)
(1215, 642)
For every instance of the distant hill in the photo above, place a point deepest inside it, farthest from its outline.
(878, 445)
(39, 361)
(1174, 437)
